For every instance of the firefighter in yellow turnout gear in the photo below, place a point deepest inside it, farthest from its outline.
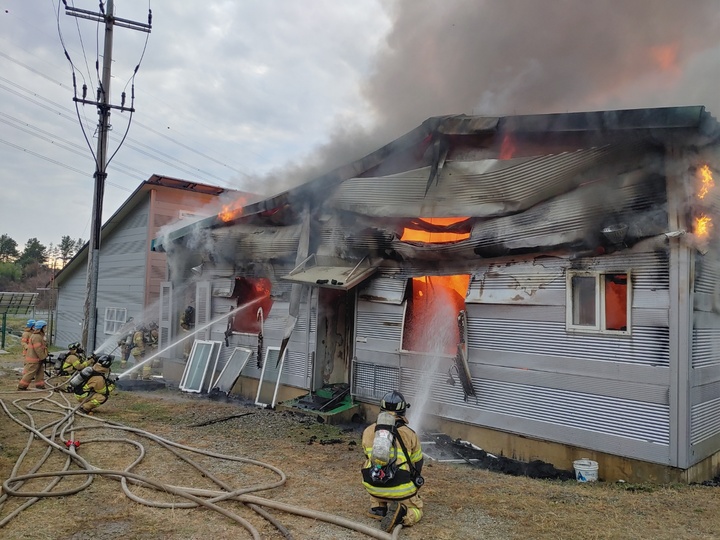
(75, 359)
(35, 354)
(393, 480)
(92, 386)
(139, 350)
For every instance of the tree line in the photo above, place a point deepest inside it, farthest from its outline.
(33, 267)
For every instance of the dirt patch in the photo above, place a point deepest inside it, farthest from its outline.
(322, 464)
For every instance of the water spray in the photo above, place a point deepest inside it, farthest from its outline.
(182, 339)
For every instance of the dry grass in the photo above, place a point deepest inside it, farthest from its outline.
(461, 502)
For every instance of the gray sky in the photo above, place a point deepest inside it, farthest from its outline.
(260, 95)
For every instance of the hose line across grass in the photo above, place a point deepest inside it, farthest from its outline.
(58, 436)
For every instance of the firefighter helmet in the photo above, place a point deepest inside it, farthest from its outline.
(30, 323)
(394, 401)
(105, 360)
(74, 346)
(39, 325)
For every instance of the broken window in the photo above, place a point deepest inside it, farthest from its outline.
(252, 294)
(599, 302)
(434, 303)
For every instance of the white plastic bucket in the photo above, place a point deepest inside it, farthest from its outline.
(586, 470)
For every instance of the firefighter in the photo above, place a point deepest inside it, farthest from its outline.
(187, 323)
(35, 355)
(394, 487)
(126, 344)
(27, 332)
(92, 386)
(138, 352)
(75, 359)
(152, 338)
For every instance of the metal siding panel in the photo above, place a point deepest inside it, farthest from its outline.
(704, 420)
(384, 289)
(379, 326)
(481, 188)
(647, 346)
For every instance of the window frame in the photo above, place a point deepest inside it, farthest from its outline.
(116, 323)
(600, 303)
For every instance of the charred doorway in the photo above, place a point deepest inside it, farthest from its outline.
(334, 336)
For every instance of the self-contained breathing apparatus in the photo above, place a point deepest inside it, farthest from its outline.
(58, 364)
(80, 378)
(383, 461)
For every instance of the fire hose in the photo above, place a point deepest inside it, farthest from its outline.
(67, 432)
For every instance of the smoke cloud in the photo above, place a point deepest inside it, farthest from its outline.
(506, 57)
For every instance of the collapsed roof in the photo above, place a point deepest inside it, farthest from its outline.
(515, 184)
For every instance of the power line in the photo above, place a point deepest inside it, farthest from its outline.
(64, 143)
(172, 161)
(137, 123)
(56, 162)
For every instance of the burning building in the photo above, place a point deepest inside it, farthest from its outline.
(548, 285)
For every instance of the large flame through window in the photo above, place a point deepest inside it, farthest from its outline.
(703, 222)
(253, 294)
(434, 301)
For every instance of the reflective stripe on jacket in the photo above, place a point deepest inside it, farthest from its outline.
(37, 348)
(402, 486)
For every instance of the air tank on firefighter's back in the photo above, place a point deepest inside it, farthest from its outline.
(77, 380)
(383, 441)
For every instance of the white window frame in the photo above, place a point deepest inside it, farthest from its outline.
(113, 320)
(599, 326)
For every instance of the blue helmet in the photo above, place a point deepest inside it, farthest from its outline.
(30, 323)
(39, 325)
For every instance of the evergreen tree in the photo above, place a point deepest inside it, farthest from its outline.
(67, 249)
(34, 252)
(8, 249)
(79, 243)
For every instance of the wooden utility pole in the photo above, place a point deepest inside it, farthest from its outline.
(104, 107)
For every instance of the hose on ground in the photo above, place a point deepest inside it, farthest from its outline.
(193, 497)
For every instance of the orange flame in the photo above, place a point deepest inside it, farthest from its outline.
(703, 224)
(706, 179)
(233, 210)
(507, 149)
(434, 238)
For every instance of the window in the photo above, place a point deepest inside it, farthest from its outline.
(599, 302)
(201, 366)
(114, 319)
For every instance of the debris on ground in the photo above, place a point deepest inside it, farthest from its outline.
(443, 448)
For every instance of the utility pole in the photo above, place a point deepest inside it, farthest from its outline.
(103, 105)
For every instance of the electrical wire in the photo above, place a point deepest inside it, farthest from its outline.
(82, 45)
(137, 122)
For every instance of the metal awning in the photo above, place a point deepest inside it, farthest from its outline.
(331, 273)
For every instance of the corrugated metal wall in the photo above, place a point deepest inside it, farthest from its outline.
(600, 391)
(71, 303)
(705, 368)
(121, 281)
